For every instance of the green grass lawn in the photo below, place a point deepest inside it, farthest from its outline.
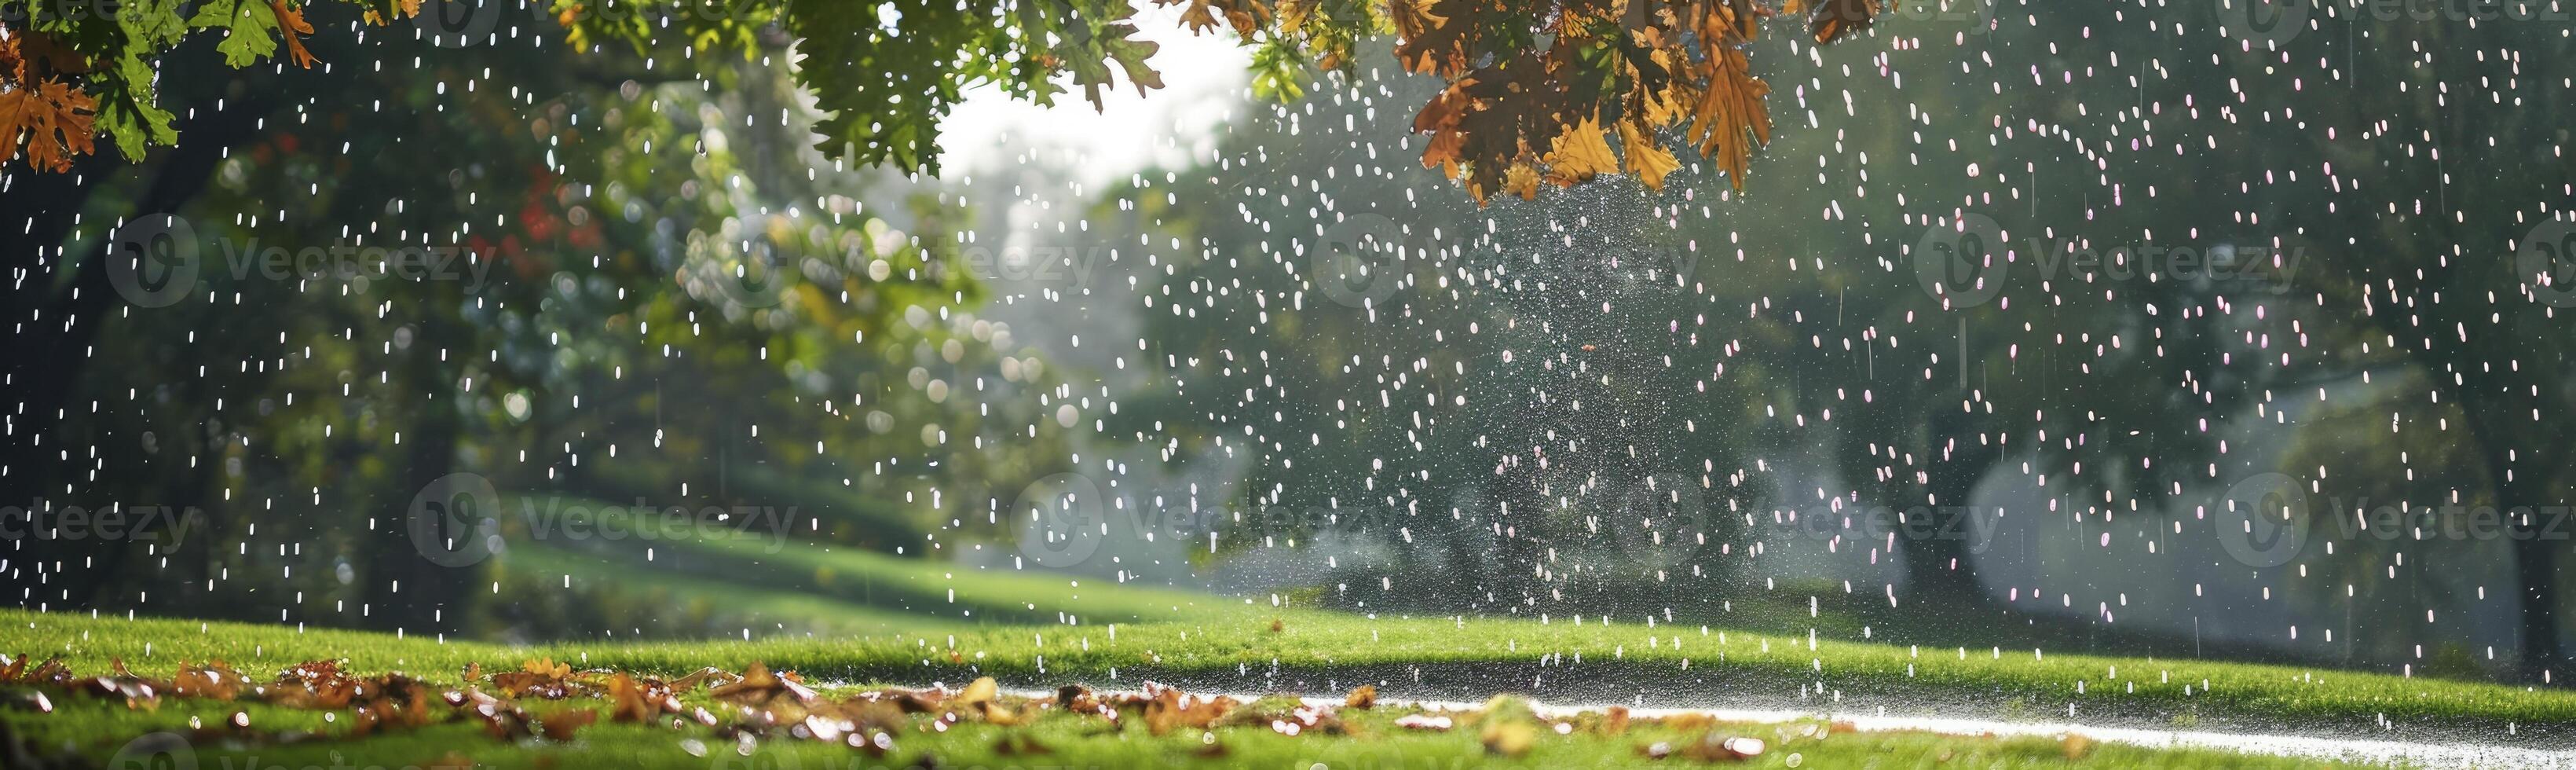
(1367, 739)
(1677, 662)
(730, 577)
(842, 616)
(1317, 641)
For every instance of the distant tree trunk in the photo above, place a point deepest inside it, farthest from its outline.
(2535, 566)
(1940, 558)
(1510, 569)
(62, 299)
(51, 345)
(406, 590)
(2522, 493)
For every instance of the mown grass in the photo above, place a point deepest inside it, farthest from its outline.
(891, 619)
(957, 594)
(593, 594)
(1680, 662)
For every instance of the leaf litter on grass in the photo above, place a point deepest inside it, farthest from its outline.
(545, 705)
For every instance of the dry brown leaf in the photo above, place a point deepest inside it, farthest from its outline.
(402, 8)
(214, 680)
(292, 26)
(1731, 119)
(1836, 19)
(51, 120)
(560, 726)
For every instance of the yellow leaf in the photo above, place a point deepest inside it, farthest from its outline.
(546, 667)
(1647, 160)
(1729, 110)
(981, 690)
(1522, 180)
(1580, 154)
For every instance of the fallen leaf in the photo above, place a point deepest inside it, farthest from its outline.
(560, 726)
(2075, 745)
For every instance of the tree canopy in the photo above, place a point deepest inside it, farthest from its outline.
(1535, 93)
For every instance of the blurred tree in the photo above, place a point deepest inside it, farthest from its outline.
(631, 289)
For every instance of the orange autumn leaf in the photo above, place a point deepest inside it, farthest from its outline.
(1835, 19)
(292, 26)
(1245, 17)
(1517, 112)
(13, 67)
(402, 9)
(51, 120)
(1731, 120)
(546, 667)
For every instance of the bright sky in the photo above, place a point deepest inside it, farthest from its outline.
(1203, 80)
